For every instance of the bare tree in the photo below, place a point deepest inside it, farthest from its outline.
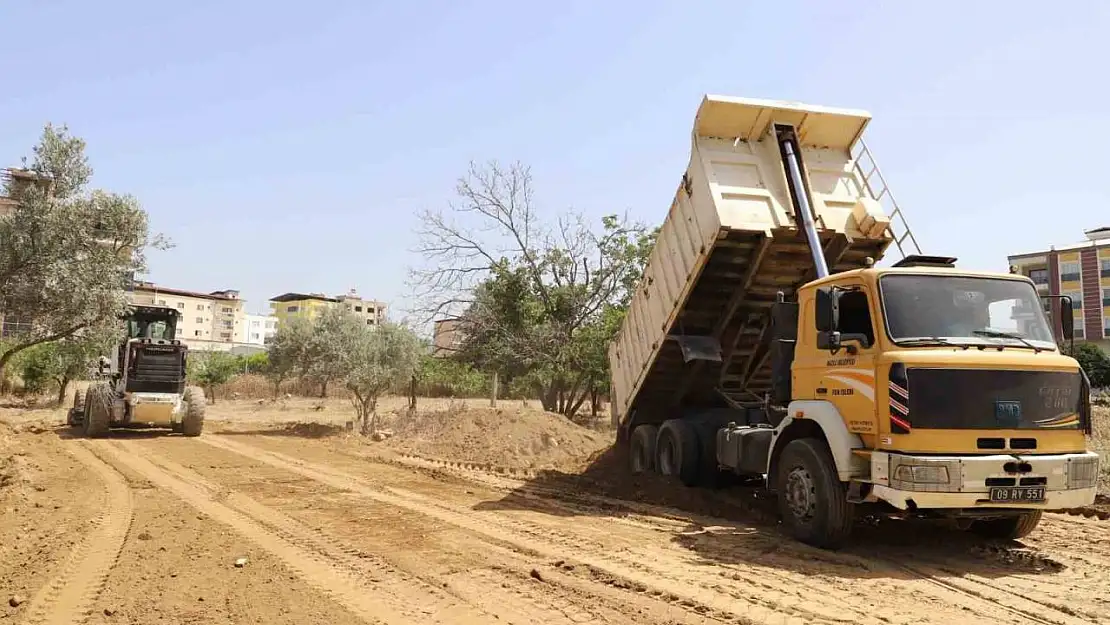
(523, 287)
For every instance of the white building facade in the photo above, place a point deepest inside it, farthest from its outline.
(257, 329)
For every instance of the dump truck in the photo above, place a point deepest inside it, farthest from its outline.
(765, 341)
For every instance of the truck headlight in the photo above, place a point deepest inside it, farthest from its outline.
(921, 474)
(1083, 472)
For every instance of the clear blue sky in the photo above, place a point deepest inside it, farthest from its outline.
(286, 146)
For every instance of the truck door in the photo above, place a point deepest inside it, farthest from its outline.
(847, 378)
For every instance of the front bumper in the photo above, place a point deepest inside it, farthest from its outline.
(1069, 480)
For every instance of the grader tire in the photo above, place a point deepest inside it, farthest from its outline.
(98, 411)
(195, 405)
(76, 414)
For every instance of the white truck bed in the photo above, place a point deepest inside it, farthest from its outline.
(730, 243)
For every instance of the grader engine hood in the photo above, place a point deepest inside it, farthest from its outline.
(155, 367)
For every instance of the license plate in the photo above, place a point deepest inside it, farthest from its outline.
(1017, 494)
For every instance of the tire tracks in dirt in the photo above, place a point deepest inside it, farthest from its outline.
(338, 574)
(1013, 595)
(739, 594)
(462, 597)
(68, 596)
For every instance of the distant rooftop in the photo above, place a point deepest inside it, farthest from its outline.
(1096, 237)
(297, 297)
(150, 287)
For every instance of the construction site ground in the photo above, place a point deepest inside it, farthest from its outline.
(280, 513)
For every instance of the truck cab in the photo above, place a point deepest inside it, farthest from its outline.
(935, 391)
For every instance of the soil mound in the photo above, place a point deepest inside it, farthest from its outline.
(520, 438)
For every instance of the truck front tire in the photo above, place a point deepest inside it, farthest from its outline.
(1008, 528)
(677, 452)
(812, 500)
(641, 453)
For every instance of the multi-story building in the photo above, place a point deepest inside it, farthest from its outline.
(447, 337)
(206, 318)
(372, 312)
(309, 305)
(258, 329)
(1080, 271)
(299, 305)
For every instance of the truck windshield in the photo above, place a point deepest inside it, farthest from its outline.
(964, 310)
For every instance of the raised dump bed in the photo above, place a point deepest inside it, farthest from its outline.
(697, 333)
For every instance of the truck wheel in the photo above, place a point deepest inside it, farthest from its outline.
(98, 411)
(1008, 528)
(812, 500)
(642, 450)
(195, 405)
(676, 451)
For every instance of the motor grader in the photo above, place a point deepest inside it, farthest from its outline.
(142, 383)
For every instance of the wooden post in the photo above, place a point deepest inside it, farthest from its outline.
(493, 392)
(412, 394)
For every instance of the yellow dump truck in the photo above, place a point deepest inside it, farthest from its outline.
(763, 341)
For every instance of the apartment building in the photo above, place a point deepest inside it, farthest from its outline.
(258, 329)
(299, 305)
(309, 305)
(1080, 271)
(447, 337)
(372, 312)
(215, 317)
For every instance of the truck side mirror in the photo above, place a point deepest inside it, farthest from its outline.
(827, 311)
(1067, 318)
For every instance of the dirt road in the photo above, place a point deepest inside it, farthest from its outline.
(249, 527)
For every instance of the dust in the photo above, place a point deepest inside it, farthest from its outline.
(518, 438)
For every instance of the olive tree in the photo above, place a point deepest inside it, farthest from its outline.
(375, 360)
(67, 253)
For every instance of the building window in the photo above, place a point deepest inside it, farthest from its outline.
(1039, 276)
(1104, 267)
(200, 319)
(370, 310)
(196, 333)
(227, 324)
(1076, 300)
(161, 302)
(200, 306)
(291, 309)
(369, 322)
(181, 305)
(1106, 297)
(1079, 334)
(1069, 271)
(225, 336)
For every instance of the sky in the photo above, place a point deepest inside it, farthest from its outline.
(289, 146)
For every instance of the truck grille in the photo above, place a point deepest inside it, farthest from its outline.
(970, 399)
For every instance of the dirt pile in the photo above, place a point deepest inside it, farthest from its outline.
(520, 438)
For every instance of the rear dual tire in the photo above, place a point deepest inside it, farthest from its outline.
(672, 449)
